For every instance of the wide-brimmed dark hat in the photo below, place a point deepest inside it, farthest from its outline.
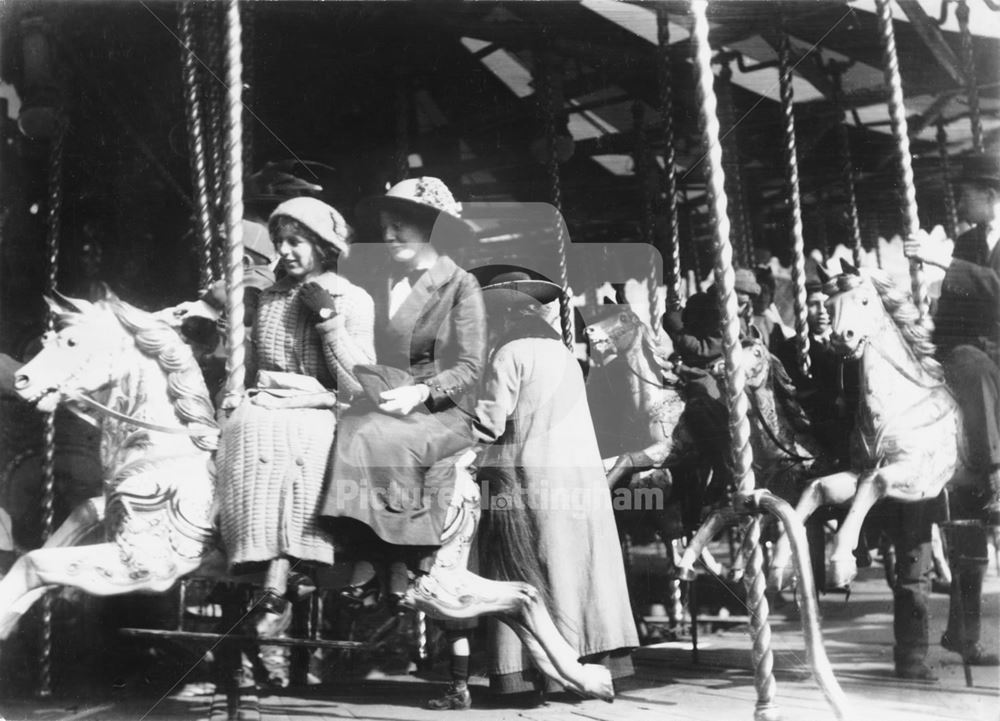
(980, 169)
(512, 284)
(282, 180)
(424, 197)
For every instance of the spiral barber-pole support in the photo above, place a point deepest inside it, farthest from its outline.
(666, 88)
(969, 70)
(730, 152)
(215, 95)
(235, 330)
(951, 211)
(760, 627)
(196, 142)
(741, 458)
(794, 204)
(846, 161)
(55, 192)
(897, 117)
(551, 107)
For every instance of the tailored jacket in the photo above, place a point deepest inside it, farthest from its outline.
(438, 334)
(968, 311)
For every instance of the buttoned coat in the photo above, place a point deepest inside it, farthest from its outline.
(382, 468)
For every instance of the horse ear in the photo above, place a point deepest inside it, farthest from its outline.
(754, 333)
(821, 273)
(848, 268)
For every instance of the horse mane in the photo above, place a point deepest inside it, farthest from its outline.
(185, 382)
(906, 316)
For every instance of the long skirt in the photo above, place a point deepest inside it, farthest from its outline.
(384, 473)
(273, 467)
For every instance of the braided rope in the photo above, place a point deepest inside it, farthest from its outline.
(951, 211)
(969, 68)
(55, 192)
(897, 116)
(760, 627)
(846, 164)
(551, 105)
(666, 89)
(236, 331)
(795, 204)
(196, 142)
(249, 82)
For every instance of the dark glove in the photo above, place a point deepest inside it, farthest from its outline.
(316, 298)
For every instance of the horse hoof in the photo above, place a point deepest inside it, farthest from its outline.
(840, 572)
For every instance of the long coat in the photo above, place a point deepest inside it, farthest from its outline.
(273, 462)
(534, 407)
(968, 311)
(380, 469)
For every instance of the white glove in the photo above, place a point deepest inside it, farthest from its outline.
(401, 401)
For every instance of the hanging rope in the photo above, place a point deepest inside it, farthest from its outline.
(673, 265)
(951, 211)
(55, 193)
(236, 332)
(836, 71)
(969, 68)
(897, 116)
(552, 106)
(794, 203)
(196, 143)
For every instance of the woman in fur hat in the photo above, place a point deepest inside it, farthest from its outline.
(312, 328)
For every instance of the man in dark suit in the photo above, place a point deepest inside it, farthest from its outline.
(967, 335)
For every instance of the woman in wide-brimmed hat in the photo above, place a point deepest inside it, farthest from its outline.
(548, 518)
(312, 328)
(386, 493)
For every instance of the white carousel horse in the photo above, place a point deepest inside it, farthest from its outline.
(135, 373)
(907, 434)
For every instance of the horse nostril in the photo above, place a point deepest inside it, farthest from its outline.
(848, 334)
(21, 382)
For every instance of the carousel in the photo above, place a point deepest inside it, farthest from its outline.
(635, 154)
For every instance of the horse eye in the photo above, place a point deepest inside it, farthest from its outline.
(70, 343)
(864, 301)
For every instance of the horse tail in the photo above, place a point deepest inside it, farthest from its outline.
(510, 537)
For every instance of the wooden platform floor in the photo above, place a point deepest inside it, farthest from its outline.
(667, 685)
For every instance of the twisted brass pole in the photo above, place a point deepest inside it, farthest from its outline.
(741, 458)
(665, 85)
(733, 168)
(215, 96)
(897, 116)
(236, 332)
(196, 142)
(951, 211)
(969, 69)
(55, 193)
(794, 203)
(551, 105)
(846, 162)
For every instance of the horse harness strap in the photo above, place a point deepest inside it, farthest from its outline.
(195, 431)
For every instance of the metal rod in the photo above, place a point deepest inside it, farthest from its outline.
(897, 114)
